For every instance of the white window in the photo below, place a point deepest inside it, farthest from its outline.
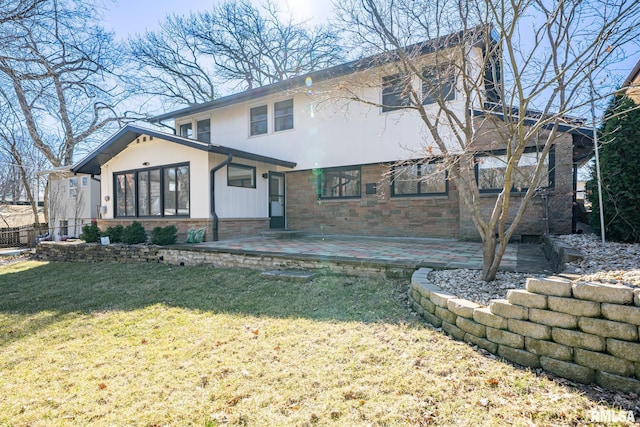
(395, 94)
(203, 127)
(84, 181)
(258, 120)
(438, 84)
(73, 187)
(186, 130)
(283, 115)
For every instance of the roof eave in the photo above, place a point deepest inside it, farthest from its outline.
(443, 42)
(93, 162)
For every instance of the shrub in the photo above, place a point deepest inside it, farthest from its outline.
(619, 160)
(134, 233)
(114, 233)
(164, 235)
(90, 233)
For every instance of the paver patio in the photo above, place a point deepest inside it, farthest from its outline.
(435, 253)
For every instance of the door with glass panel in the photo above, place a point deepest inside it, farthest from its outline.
(276, 200)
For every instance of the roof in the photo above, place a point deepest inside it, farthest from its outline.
(572, 125)
(632, 76)
(422, 48)
(582, 135)
(113, 146)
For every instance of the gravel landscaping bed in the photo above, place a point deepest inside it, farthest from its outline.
(615, 263)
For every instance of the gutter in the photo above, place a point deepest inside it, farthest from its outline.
(212, 182)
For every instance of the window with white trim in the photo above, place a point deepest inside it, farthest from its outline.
(438, 83)
(73, 186)
(186, 130)
(394, 92)
(203, 129)
(283, 115)
(258, 120)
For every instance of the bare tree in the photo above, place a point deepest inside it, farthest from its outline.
(518, 70)
(57, 69)
(58, 80)
(22, 160)
(17, 10)
(234, 44)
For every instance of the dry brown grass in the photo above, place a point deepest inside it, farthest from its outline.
(152, 345)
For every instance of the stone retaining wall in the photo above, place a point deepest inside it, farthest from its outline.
(585, 332)
(559, 253)
(93, 252)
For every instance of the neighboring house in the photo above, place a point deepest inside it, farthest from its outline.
(74, 200)
(298, 155)
(631, 84)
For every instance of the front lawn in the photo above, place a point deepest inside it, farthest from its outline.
(154, 345)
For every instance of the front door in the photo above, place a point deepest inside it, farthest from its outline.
(276, 200)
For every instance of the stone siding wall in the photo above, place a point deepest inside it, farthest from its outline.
(372, 214)
(228, 228)
(426, 216)
(93, 252)
(182, 224)
(234, 228)
(559, 199)
(585, 332)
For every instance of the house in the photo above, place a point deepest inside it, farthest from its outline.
(298, 155)
(631, 84)
(74, 200)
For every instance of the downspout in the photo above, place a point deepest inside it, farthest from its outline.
(212, 183)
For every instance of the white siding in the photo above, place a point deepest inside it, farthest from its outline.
(328, 130)
(77, 208)
(158, 152)
(237, 202)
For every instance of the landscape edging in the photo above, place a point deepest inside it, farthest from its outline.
(554, 324)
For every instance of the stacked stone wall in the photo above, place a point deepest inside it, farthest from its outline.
(194, 256)
(586, 332)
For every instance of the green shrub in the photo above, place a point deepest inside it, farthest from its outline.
(164, 235)
(114, 233)
(619, 160)
(90, 233)
(133, 234)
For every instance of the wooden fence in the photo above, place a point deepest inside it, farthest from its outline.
(23, 236)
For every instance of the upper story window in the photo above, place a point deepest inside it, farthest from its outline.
(258, 120)
(85, 181)
(241, 176)
(340, 183)
(73, 187)
(419, 179)
(491, 167)
(283, 115)
(438, 83)
(394, 92)
(203, 127)
(186, 130)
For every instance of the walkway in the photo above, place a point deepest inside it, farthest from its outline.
(436, 253)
